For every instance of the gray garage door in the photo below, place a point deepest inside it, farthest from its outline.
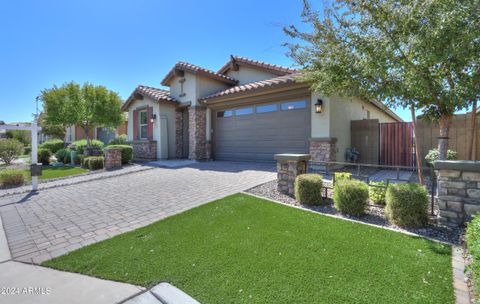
(256, 133)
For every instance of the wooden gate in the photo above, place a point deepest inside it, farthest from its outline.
(396, 144)
(365, 138)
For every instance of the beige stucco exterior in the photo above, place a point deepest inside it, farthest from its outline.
(246, 75)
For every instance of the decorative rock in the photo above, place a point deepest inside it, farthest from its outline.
(474, 193)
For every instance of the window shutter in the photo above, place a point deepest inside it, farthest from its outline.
(149, 123)
(135, 125)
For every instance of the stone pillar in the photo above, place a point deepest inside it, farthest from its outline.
(113, 158)
(197, 117)
(323, 149)
(178, 133)
(289, 166)
(458, 191)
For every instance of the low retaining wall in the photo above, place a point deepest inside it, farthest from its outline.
(144, 149)
(458, 191)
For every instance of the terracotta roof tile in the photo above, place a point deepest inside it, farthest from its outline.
(188, 67)
(262, 84)
(156, 94)
(280, 70)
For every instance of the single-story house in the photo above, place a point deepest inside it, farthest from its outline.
(75, 132)
(247, 110)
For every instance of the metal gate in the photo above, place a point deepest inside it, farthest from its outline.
(397, 144)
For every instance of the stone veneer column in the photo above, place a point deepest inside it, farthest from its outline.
(113, 158)
(197, 117)
(289, 166)
(323, 149)
(458, 191)
(178, 133)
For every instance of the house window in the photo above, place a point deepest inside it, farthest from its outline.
(143, 123)
(225, 113)
(267, 108)
(293, 105)
(243, 111)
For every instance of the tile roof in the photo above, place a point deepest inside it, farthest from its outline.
(253, 86)
(188, 67)
(156, 94)
(280, 70)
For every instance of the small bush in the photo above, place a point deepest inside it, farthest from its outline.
(10, 149)
(27, 149)
(342, 176)
(11, 177)
(93, 162)
(308, 189)
(79, 159)
(433, 155)
(53, 145)
(81, 144)
(350, 196)
(377, 192)
(22, 136)
(119, 140)
(407, 205)
(61, 154)
(44, 156)
(472, 237)
(127, 152)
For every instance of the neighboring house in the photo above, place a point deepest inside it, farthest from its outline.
(247, 110)
(75, 132)
(3, 133)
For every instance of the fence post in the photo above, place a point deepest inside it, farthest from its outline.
(289, 166)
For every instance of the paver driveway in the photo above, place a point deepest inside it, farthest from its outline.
(58, 220)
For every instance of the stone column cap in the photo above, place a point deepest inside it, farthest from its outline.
(461, 165)
(112, 148)
(293, 157)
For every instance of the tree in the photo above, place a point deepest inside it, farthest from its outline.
(87, 106)
(56, 131)
(416, 53)
(10, 149)
(22, 136)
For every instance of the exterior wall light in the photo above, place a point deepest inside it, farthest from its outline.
(153, 118)
(318, 106)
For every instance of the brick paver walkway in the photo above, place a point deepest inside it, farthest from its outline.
(55, 221)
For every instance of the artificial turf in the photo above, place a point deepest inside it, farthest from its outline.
(241, 249)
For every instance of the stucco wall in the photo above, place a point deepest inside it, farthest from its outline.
(207, 86)
(320, 121)
(248, 74)
(189, 88)
(343, 110)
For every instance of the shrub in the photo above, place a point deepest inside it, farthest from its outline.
(377, 191)
(350, 196)
(93, 162)
(342, 176)
(44, 156)
(82, 143)
(119, 140)
(433, 155)
(61, 154)
(11, 177)
(79, 159)
(22, 136)
(127, 152)
(472, 237)
(407, 205)
(27, 149)
(308, 189)
(53, 145)
(10, 149)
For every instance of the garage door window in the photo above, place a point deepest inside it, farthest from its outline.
(243, 111)
(293, 105)
(267, 108)
(225, 114)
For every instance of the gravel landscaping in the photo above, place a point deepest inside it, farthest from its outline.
(374, 215)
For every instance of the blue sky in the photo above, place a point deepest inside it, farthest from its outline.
(121, 44)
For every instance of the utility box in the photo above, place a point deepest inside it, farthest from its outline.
(36, 169)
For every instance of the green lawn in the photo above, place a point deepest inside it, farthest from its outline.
(242, 249)
(49, 172)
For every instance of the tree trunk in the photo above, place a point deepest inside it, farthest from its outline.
(473, 138)
(417, 146)
(87, 135)
(444, 124)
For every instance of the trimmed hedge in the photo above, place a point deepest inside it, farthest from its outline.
(350, 196)
(127, 152)
(10, 149)
(119, 140)
(338, 176)
(377, 194)
(308, 189)
(407, 205)
(63, 155)
(44, 156)
(94, 162)
(53, 145)
(82, 143)
(472, 237)
(11, 177)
